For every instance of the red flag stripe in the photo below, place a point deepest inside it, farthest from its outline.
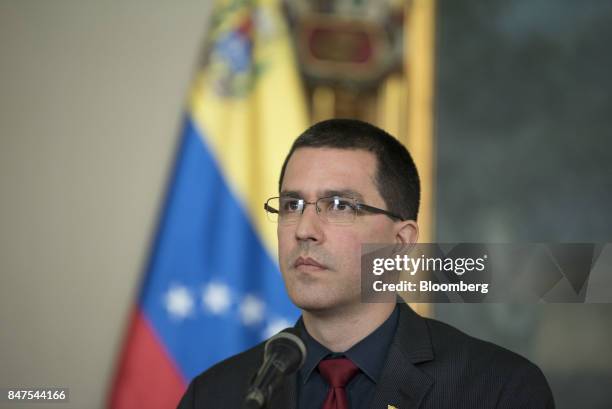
(147, 377)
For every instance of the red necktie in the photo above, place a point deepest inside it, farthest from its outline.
(337, 372)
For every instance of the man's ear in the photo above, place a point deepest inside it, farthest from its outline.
(406, 232)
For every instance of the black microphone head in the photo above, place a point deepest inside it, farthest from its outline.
(289, 347)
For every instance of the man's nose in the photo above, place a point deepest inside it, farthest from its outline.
(309, 225)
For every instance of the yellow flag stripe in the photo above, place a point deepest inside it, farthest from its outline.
(250, 136)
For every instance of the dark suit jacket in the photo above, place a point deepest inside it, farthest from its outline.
(430, 365)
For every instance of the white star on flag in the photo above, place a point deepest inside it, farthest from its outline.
(251, 310)
(216, 298)
(275, 326)
(179, 302)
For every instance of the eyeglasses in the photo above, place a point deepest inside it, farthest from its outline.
(333, 209)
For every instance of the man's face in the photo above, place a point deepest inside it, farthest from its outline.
(334, 283)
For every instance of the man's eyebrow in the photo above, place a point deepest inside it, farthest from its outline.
(344, 193)
(291, 193)
(326, 193)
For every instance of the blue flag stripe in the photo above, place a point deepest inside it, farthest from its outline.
(212, 289)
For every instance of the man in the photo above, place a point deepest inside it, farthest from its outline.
(345, 183)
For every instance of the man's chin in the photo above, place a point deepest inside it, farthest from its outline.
(319, 305)
(312, 304)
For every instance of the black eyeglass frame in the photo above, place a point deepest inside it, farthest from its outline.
(359, 207)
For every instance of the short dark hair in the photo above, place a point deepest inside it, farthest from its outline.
(397, 179)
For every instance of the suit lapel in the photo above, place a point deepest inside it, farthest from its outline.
(402, 384)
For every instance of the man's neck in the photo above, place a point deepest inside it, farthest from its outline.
(340, 330)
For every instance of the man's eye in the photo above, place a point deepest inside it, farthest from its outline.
(290, 206)
(341, 206)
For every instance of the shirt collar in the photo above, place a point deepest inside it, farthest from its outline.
(368, 354)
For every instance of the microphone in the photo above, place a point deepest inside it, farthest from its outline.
(284, 354)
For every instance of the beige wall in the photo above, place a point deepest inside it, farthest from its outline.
(91, 97)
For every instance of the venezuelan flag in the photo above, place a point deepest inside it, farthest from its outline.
(212, 287)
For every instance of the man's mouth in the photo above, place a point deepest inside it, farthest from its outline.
(308, 264)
